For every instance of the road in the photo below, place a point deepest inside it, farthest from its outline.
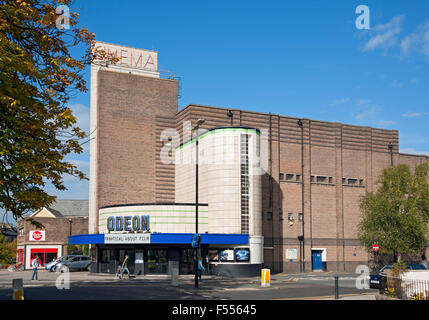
(84, 286)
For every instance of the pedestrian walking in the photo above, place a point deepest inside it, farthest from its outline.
(200, 268)
(35, 264)
(424, 261)
(125, 268)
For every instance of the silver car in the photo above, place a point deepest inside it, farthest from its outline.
(79, 262)
(50, 266)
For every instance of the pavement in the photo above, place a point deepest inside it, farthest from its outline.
(301, 286)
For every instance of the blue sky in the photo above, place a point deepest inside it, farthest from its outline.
(293, 58)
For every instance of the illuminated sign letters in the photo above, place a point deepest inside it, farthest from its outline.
(128, 223)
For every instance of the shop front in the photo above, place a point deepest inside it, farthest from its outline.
(221, 253)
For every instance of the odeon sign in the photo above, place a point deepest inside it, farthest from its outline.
(128, 223)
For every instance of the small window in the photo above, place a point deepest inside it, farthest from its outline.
(290, 216)
(298, 177)
(282, 176)
(361, 182)
(300, 216)
(321, 179)
(289, 176)
(281, 215)
(352, 181)
(344, 180)
(269, 216)
(262, 216)
(311, 178)
(331, 180)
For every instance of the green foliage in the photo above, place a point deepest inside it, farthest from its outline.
(398, 268)
(38, 75)
(84, 248)
(389, 292)
(396, 216)
(7, 252)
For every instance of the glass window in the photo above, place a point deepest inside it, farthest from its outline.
(352, 181)
(157, 261)
(321, 179)
(213, 255)
(105, 255)
(289, 176)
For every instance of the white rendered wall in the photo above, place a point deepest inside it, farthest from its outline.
(219, 179)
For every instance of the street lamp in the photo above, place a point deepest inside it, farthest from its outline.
(230, 115)
(199, 123)
(70, 221)
(391, 153)
(301, 238)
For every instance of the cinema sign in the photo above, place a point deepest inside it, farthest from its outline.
(128, 223)
(131, 58)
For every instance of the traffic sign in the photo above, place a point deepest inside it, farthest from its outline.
(375, 247)
(196, 240)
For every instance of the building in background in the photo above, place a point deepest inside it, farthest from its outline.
(60, 220)
(300, 214)
(8, 231)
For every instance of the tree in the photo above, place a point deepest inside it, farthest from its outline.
(7, 253)
(396, 216)
(38, 75)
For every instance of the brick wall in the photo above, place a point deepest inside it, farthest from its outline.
(331, 210)
(56, 229)
(133, 110)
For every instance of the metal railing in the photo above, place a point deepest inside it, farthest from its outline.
(406, 289)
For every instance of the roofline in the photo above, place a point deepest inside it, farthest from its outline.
(153, 204)
(282, 116)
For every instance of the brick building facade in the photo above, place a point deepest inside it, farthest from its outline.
(61, 220)
(316, 171)
(334, 163)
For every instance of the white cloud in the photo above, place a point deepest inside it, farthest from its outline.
(417, 41)
(384, 123)
(369, 114)
(340, 101)
(384, 35)
(414, 114)
(414, 151)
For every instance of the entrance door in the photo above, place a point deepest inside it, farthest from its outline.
(157, 261)
(131, 258)
(316, 259)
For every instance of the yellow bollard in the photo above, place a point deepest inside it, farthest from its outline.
(265, 278)
(18, 289)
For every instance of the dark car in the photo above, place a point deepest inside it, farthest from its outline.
(374, 279)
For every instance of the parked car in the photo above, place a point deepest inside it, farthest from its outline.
(74, 263)
(50, 266)
(374, 279)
